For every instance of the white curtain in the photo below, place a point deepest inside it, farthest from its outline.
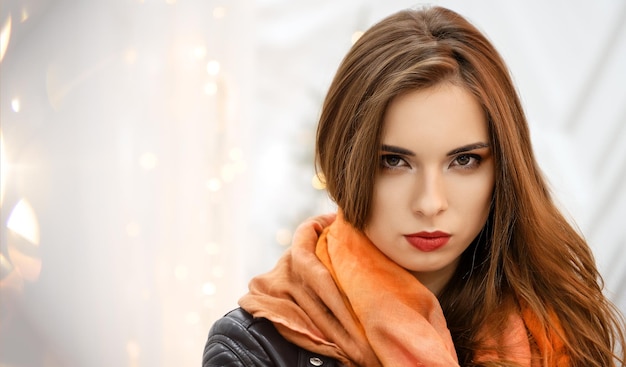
(156, 154)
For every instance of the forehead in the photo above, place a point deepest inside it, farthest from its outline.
(443, 116)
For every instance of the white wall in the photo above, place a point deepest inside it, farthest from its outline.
(142, 185)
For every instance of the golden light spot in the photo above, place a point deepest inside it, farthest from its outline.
(210, 88)
(199, 52)
(212, 248)
(181, 272)
(4, 169)
(23, 221)
(235, 154)
(318, 182)
(192, 318)
(5, 37)
(25, 15)
(23, 240)
(148, 161)
(133, 349)
(130, 56)
(214, 184)
(217, 272)
(228, 172)
(15, 105)
(209, 289)
(283, 237)
(213, 67)
(240, 166)
(356, 35)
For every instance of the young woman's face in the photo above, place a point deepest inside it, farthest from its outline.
(433, 190)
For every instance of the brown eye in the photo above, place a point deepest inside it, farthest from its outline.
(464, 160)
(392, 161)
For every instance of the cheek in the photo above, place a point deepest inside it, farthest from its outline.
(389, 192)
(473, 195)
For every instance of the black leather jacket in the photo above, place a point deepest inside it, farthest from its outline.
(240, 340)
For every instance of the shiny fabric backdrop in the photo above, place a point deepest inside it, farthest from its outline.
(158, 153)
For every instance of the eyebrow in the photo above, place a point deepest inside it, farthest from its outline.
(466, 148)
(397, 150)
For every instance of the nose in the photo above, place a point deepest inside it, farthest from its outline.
(430, 194)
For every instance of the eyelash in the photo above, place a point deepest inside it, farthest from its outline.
(477, 159)
(474, 161)
(384, 161)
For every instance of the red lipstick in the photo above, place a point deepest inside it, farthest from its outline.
(428, 241)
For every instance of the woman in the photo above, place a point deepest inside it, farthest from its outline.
(447, 248)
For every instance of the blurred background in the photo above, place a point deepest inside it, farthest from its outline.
(156, 154)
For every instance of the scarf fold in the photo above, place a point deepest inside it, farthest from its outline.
(334, 293)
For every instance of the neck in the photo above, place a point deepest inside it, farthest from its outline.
(435, 281)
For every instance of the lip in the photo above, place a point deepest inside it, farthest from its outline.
(428, 241)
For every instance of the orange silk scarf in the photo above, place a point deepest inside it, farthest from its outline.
(334, 293)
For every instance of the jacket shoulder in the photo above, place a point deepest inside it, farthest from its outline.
(240, 340)
(232, 342)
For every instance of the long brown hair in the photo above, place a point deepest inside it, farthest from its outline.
(527, 253)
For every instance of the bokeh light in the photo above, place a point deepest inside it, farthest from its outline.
(355, 36)
(23, 221)
(283, 237)
(317, 182)
(5, 37)
(148, 161)
(213, 67)
(23, 240)
(4, 168)
(16, 105)
(156, 154)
